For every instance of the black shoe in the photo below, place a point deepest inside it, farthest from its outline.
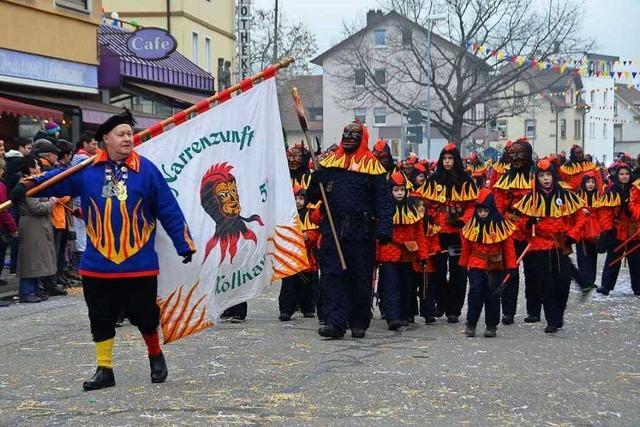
(550, 329)
(159, 369)
(103, 378)
(452, 319)
(531, 319)
(507, 319)
(602, 290)
(56, 291)
(393, 325)
(61, 280)
(439, 313)
(3, 282)
(405, 322)
(330, 331)
(412, 319)
(636, 293)
(470, 331)
(237, 319)
(284, 317)
(358, 332)
(5, 304)
(42, 295)
(309, 315)
(30, 299)
(490, 333)
(429, 320)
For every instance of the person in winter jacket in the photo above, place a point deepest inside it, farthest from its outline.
(7, 224)
(488, 254)
(408, 244)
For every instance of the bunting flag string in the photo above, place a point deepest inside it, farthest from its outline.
(580, 67)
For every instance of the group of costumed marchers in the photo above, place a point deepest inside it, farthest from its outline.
(413, 234)
(406, 236)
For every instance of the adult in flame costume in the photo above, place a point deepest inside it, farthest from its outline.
(362, 207)
(123, 196)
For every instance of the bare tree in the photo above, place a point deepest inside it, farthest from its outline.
(467, 88)
(294, 40)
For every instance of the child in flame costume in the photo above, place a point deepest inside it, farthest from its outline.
(488, 254)
(123, 197)
(425, 273)
(552, 210)
(408, 244)
(298, 290)
(619, 222)
(362, 207)
(589, 227)
(508, 190)
(477, 169)
(450, 193)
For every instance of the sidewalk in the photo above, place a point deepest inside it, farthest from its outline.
(7, 293)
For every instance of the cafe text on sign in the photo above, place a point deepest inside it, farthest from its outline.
(151, 43)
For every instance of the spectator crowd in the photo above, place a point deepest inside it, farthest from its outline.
(42, 239)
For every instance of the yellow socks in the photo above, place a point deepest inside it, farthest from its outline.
(104, 352)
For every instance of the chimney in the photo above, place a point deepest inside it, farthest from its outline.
(374, 16)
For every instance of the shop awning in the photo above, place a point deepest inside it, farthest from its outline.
(167, 92)
(92, 112)
(9, 106)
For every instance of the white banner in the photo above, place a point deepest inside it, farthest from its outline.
(228, 170)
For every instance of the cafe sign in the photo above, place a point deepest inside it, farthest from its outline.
(151, 43)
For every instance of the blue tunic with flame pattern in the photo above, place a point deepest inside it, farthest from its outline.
(121, 230)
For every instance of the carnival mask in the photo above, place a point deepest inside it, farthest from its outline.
(294, 158)
(351, 137)
(519, 156)
(578, 154)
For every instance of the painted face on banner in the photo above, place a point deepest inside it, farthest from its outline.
(227, 194)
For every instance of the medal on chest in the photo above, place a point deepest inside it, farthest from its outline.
(115, 186)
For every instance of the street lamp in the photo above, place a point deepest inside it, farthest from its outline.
(431, 19)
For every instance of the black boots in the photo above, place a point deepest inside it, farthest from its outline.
(358, 332)
(531, 319)
(159, 369)
(330, 331)
(394, 325)
(452, 318)
(103, 378)
(602, 290)
(507, 319)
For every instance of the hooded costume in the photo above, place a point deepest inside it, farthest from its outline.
(408, 244)
(477, 169)
(500, 167)
(450, 196)
(512, 185)
(123, 202)
(574, 170)
(298, 158)
(302, 289)
(619, 214)
(553, 213)
(487, 253)
(589, 228)
(362, 208)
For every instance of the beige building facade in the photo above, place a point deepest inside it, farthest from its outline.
(553, 121)
(204, 29)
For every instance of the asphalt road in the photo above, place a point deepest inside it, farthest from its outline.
(265, 372)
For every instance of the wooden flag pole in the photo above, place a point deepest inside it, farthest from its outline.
(176, 119)
(297, 102)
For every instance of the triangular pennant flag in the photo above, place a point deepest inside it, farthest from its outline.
(619, 74)
(634, 73)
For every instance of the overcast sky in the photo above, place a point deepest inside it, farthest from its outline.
(614, 23)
